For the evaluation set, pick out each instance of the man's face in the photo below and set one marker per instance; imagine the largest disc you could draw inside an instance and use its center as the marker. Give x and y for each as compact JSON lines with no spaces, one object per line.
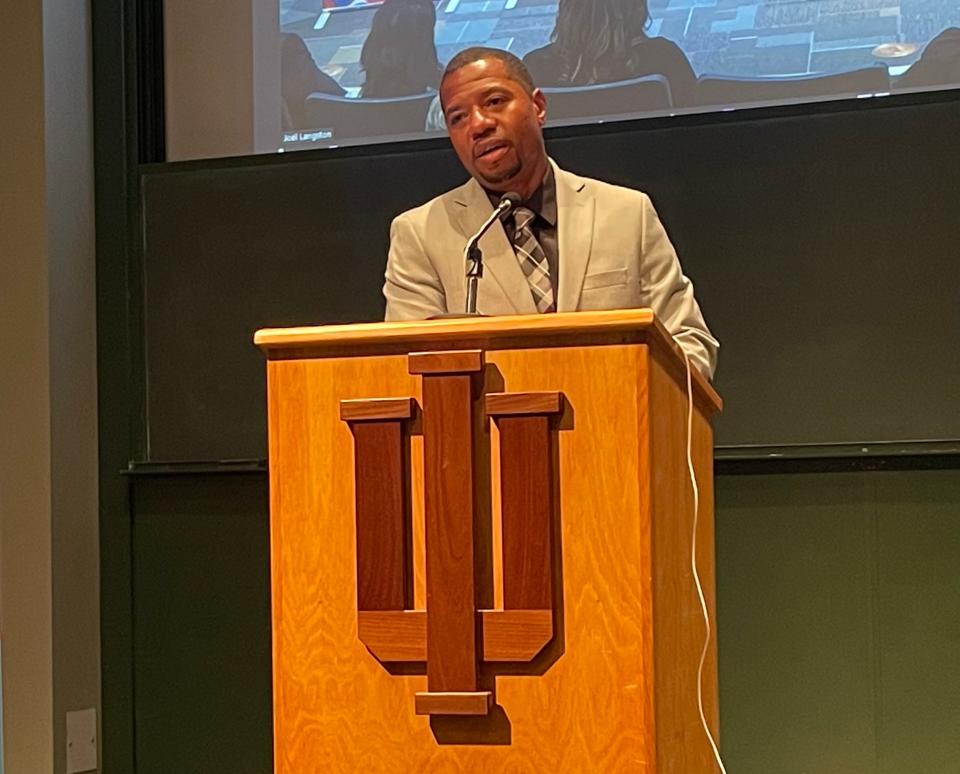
{"x":495,"y":126}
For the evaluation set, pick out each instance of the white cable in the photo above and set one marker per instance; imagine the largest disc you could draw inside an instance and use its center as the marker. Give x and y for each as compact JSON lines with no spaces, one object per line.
{"x":693,"y":564}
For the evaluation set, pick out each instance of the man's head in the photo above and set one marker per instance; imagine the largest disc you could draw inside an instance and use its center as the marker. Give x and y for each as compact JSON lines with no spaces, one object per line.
{"x":495,"y":116}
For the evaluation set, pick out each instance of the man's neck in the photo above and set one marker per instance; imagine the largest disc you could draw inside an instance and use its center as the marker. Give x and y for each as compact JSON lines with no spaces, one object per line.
{"x":527,"y":191}
{"x":536,"y":180}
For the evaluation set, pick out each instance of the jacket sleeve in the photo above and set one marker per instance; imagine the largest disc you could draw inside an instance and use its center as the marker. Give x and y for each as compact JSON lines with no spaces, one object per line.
{"x":669,"y":293}
{"x":412,"y":288}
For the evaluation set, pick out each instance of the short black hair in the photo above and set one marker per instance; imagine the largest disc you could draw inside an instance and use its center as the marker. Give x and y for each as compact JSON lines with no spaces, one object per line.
{"x":515,"y":68}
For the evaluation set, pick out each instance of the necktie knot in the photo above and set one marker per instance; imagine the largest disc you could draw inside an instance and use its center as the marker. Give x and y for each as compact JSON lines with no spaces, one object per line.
{"x":523,"y":217}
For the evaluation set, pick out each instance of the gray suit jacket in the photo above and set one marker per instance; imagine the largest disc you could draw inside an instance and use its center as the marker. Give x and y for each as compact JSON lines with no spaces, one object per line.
{"x":614,"y":254}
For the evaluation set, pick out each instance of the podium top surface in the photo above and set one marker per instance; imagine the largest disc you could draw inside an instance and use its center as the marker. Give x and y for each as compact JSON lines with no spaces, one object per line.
{"x":548,"y":328}
{"x":627,"y":326}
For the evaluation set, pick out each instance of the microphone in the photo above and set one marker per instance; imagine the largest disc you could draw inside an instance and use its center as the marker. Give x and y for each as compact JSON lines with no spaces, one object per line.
{"x":471,"y":253}
{"x":511,"y":198}
{"x":507,"y":202}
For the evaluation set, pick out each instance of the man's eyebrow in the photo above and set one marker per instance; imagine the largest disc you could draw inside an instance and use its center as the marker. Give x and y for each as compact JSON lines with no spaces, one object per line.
{"x":481,"y":95}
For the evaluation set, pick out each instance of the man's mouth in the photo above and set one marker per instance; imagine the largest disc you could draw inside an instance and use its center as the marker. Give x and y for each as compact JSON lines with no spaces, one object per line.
{"x":490,"y":151}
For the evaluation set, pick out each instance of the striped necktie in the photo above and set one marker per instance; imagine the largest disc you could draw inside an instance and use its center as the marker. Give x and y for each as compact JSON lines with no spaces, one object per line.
{"x":532,"y":259}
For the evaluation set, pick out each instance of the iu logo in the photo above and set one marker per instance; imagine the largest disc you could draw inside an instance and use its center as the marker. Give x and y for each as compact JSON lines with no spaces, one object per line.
{"x":453,"y":637}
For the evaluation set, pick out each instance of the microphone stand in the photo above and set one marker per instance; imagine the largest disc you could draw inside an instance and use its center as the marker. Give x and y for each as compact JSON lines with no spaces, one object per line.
{"x":472,"y":254}
{"x":474,"y":257}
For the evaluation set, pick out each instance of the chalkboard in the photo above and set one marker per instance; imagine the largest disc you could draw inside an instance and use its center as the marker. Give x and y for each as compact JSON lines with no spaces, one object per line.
{"x":823,"y":247}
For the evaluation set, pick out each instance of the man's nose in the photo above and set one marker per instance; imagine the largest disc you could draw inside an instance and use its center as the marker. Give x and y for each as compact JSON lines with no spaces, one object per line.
{"x":480,"y":122}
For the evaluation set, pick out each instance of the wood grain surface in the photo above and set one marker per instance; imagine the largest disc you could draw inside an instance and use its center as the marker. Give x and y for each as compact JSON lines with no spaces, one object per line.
{"x":619,"y":326}
{"x":454,"y":362}
{"x":526,"y":511}
{"x":454,"y":329}
{"x":506,"y":404}
{"x":448,"y":424}
{"x":394,"y":636}
{"x":615,"y":696}
{"x":376,"y":408}
{"x":677,"y":621}
{"x":453,"y":703}
{"x":381,"y":514}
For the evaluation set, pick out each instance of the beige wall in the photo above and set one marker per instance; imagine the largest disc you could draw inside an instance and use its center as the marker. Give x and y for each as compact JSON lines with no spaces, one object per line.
{"x":49,"y":596}
{"x":25,"y":573}
{"x":222,"y":75}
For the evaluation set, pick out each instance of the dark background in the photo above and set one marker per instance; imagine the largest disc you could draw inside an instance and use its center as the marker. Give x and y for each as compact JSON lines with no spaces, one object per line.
{"x":823,"y":248}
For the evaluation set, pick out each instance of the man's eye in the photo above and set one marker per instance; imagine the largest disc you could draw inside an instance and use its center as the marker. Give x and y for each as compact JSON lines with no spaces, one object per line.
{"x":453,"y":120}
{"x":495,"y":101}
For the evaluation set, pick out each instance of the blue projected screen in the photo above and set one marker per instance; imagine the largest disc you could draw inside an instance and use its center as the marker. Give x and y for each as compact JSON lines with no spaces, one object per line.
{"x":344,"y":72}
{"x":688,"y":56}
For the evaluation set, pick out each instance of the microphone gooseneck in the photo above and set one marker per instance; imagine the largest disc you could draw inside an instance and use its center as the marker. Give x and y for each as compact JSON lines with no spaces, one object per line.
{"x":473,"y":257}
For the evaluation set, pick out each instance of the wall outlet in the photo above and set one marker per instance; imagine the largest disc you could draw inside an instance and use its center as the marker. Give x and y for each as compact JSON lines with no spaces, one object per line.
{"x":81,"y":741}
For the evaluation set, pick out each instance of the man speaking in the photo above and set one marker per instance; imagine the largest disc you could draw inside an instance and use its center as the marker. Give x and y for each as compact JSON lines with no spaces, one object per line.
{"x":569,"y":244}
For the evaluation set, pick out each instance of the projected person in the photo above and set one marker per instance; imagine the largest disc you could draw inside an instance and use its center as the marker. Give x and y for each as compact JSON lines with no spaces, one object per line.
{"x":575,"y":244}
{"x":299,"y":78}
{"x":399,"y":56}
{"x":939,"y":65}
{"x":602,"y":41}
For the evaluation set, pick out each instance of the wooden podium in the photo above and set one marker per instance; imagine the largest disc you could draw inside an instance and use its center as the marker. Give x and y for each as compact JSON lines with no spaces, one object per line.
{"x":480,"y":547}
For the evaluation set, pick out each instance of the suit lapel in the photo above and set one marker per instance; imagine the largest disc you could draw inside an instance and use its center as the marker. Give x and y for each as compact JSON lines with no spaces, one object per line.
{"x":575,"y":211}
{"x":499,"y":260}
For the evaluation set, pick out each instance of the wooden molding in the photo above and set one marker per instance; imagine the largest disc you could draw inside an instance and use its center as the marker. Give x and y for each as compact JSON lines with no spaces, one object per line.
{"x":515,"y":636}
{"x":452,"y":330}
{"x":374,"y":409}
{"x":593,"y":328}
{"x":449,"y":467}
{"x":453,"y":702}
{"x":397,"y":636}
{"x":452,"y":637}
{"x":526,"y":491}
{"x":382,"y":511}
{"x":504,"y":404}
{"x":457,"y":362}
{"x":394,"y":636}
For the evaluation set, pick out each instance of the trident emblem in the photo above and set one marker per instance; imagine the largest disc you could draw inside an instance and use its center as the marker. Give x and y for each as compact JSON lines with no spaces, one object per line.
{"x":453,"y":636}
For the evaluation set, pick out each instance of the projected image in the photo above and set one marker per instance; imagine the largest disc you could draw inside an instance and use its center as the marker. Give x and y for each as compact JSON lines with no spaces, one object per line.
{"x":366,"y":70}
{"x":334,"y":4}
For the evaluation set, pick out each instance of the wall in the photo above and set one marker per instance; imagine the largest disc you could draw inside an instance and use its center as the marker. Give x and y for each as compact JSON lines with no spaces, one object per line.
{"x":799,"y":270}
{"x":73,"y":358}
{"x":837,"y":599}
{"x":48,"y":432}
{"x":25,"y":510}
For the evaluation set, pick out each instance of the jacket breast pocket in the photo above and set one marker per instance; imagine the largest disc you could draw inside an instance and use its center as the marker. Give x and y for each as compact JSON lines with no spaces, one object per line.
{"x":605,"y":279}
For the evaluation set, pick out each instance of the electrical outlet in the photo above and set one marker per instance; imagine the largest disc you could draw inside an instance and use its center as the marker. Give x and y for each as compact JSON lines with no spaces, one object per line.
{"x":81,"y":741}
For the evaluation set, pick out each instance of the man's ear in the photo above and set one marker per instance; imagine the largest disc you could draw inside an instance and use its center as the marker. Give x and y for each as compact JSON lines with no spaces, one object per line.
{"x":540,"y":102}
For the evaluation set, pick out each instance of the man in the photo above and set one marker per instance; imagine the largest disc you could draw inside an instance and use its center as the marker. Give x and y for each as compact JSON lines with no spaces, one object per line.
{"x":573,"y":244}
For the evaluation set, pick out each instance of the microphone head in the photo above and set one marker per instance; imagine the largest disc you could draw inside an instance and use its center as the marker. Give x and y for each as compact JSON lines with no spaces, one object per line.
{"x":512,"y":197}
{"x":507,"y":202}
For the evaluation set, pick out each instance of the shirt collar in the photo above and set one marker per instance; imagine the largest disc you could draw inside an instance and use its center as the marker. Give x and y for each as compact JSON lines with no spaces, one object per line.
{"x":543,"y":201}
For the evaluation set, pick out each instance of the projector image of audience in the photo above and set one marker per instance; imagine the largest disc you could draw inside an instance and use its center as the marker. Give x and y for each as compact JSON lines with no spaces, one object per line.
{"x":300,"y":77}
{"x":399,"y":56}
{"x":939,"y":65}
{"x":604,"y":41}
